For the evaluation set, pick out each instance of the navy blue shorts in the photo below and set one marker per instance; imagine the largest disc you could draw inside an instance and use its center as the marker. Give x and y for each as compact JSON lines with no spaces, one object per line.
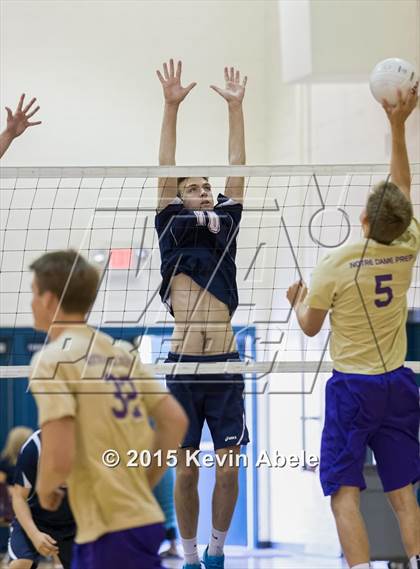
{"x":379,"y":411}
{"x":218,"y":399}
{"x":21,"y":547}
{"x":131,"y":549}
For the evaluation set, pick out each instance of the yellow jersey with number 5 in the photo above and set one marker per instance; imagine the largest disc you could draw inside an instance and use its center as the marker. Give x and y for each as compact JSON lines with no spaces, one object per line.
{"x":364,"y":286}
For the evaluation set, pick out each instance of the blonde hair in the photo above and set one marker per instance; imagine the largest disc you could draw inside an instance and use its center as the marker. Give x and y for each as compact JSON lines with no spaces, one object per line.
{"x":15,"y":439}
{"x":388,"y":211}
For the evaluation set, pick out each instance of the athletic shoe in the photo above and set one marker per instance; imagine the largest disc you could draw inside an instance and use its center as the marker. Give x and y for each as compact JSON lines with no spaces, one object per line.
{"x":191,"y":566}
{"x":213,"y":561}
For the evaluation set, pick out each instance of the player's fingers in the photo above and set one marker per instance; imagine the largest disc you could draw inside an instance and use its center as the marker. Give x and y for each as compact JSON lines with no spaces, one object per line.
{"x":413,"y":95}
{"x":165,"y":70}
{"x":34,"y":123}
{"x":179,"y":69}
{"x":171,"y":68}
{"x":31,"y":114}
{"x":29,"y":105}
{"x":400,"y":100}
{"x":160,"y":76}
{"x":237,"y":76}
{"x":387,"y":107}
{"x":9,"y":113}
{"x":245,"y":81}
{"x":232,"y":74}
{"x":20,"y":104}
{"x":414,"y":88}
{"x":50,"y":539}
{"x":217,"y":89}
{"x":226,"y":74}
{"x":190,"y":86}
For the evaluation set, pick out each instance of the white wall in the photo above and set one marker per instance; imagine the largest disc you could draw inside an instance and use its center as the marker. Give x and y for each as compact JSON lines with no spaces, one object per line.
{"x":92,"y":66}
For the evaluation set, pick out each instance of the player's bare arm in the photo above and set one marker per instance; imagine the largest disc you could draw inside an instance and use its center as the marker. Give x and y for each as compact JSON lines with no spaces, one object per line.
{"x":397,"y":115}
{"x":170,"y":427}
{"x":43,"y":543}
{"x":310,"y":319}
{"x":56,"y":462}
{"x":174,"y":93}
{"x":233,"y":93}
{"x":18,"y":122}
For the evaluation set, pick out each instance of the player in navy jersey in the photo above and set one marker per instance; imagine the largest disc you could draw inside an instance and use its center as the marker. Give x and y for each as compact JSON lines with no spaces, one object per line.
{"x":36,"y":532}
{"x":197,"y":239}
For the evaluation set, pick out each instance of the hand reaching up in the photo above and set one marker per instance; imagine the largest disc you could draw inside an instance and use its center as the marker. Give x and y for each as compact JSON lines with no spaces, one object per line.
{"x":234,"y":90}
{"x":18,"y":121}
{"x":399,"y":113}
{"x":173,"y":91}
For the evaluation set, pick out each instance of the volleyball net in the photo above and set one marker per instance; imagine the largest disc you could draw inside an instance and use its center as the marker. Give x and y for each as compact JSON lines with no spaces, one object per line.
{"x":293,"y":215}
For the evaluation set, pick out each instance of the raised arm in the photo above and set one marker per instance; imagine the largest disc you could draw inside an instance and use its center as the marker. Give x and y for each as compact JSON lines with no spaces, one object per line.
{"x":17,"y":123}
{"x":233,"y":93}
{"x":174,"y":94}
{"x":397,"y":115}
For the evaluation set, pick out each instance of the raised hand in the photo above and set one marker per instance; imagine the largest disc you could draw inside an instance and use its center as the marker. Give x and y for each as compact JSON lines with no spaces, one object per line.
{"x":173,"y":91}
{"x":399,"y":113}
{"x":18,"y":121}
{"x":234,"y":90}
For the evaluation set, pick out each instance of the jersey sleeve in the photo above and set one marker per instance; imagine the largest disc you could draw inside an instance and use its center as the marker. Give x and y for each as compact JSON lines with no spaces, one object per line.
{"x":27,"y":466}
{"x":152,"y":390}
{"x":323,"y":286}
{"x":51,"y":390}
{"x":165,"y":215}
{"x":230,"y":206}
{"x":411,"y":236}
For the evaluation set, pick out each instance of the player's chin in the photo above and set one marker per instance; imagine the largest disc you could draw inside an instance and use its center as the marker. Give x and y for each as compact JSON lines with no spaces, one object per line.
{"x":207,"y":205}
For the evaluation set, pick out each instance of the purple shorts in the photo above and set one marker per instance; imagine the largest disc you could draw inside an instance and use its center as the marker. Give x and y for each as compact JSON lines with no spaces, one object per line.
{"x":379,"y":411}
{"x":130,"y":548}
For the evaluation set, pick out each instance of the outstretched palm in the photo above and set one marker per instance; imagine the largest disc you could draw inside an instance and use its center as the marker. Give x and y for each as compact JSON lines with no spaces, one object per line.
{"x":18,"y":121}
{"x":234,"y":90}
{"x":173,"y":91}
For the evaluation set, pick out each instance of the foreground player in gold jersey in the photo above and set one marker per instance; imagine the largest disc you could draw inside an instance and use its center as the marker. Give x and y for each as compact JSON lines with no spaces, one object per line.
{"x":93,"y":395}
{"x":372,"y":399}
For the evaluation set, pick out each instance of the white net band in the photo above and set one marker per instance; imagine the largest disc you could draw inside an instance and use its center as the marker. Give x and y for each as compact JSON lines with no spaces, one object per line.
{"x":187,"y":171}
{"x":258,"y":368}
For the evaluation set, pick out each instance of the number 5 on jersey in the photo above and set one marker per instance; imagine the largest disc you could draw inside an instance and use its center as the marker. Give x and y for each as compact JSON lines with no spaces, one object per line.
{"x":384,"y":291}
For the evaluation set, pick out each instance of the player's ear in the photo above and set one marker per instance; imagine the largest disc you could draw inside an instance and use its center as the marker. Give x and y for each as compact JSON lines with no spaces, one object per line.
{"x":50,"y":301}
{"x":363,"y":217}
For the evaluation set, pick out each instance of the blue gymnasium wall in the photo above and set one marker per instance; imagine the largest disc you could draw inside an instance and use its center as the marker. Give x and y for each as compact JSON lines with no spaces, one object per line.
{"x":17,"y":407}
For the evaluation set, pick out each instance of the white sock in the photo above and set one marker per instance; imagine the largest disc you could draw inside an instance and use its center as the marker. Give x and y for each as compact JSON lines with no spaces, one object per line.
{"x":361,"y":566}
{"x":415,"y":562}
{"x":190,"y":550}
{"x":217,"y":542}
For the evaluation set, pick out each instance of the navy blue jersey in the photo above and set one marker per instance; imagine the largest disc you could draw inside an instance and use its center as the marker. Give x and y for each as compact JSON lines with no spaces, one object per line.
{"x":60,"y":521}
{"x":202,"y":245}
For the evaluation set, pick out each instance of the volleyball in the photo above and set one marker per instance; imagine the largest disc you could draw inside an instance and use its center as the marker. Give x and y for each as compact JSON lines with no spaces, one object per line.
{"x":390,"y":75}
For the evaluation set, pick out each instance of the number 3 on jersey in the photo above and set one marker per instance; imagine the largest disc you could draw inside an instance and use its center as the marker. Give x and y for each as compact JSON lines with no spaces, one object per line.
{"x":384,"y":291}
